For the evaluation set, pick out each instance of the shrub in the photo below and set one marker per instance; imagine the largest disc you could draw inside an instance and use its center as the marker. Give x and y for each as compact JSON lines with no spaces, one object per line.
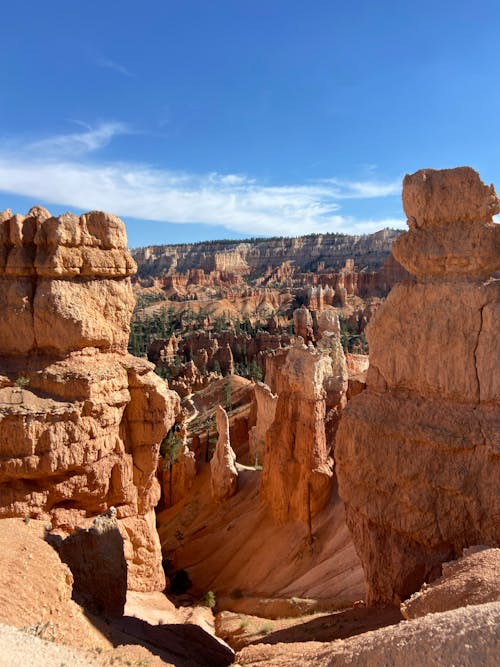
{"x":209,"y":599}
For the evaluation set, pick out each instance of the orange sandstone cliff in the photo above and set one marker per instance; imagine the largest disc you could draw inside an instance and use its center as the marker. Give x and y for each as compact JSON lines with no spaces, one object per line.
{"x":80,"y":419}
{"x":417,"y":453}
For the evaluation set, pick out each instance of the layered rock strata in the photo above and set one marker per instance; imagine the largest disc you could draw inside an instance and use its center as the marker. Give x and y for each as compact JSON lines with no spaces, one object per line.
{"x":80,"y":420}
{"x":418,"y":452}
{"x":261,"y":256}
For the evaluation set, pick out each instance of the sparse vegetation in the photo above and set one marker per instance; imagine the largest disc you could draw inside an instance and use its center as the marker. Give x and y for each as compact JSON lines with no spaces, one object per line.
{"x":22,"y":381}
{"x":265,"y":629}
{"x":209,"y":600}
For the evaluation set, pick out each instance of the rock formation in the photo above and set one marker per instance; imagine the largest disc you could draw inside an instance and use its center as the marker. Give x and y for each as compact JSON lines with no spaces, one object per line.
{"x":465,"y":637}
{"x":303,"y":324}
{"x":36,"y":590}
{"x":84,"y":432}
{"x":265,"y":403}
{"x":326,"y":320}
{"x":336,"y":385}
{"x":298,"y":471}
{"x":211,"y":352}
{"x":417,"y":452}
{"x":223,"y":472}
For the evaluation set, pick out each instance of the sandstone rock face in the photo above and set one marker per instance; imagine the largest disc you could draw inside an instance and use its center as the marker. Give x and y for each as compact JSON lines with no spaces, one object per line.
{"x":336,"y":385}
{"x":298,"y":470}
{"x":84,"y":432}
{"x":470,"y":580}
{"x":265,"y":402}
{"x":223,"y":472}
{"x":417,"y":452}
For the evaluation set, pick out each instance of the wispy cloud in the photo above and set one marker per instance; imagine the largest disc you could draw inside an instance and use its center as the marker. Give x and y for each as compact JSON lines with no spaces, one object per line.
{"x":107,"y":63}
{"x":54,"y":170}
{"x":77,"y":143}
{"x":364,"y":189}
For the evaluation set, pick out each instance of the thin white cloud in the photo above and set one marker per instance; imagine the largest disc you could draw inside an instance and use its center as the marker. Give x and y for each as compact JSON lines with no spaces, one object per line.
{"x":50,"y":171}
{"x":365,"y":189}
{"x":77,"y":143}
{"x":111,"y":64}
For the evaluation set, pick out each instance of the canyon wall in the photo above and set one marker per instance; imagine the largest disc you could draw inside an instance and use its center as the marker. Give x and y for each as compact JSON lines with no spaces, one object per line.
{"x":417,"y":453}
{"x":81,"y":421}
{"x":261,"y":257}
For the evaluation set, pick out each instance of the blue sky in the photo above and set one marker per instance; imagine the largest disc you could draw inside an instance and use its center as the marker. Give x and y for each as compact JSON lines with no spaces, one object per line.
{"x":200,"y":119}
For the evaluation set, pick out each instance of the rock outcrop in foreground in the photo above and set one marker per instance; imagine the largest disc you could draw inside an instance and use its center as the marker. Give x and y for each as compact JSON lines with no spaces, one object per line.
{"x":418,"y":453}
{"x":80,"y":420}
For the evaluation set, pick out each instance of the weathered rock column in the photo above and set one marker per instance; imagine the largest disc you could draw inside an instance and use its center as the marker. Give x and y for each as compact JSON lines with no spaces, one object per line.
{"x":223,"y":472}
{"x":297,"y":476}
{"x":417,"y":453}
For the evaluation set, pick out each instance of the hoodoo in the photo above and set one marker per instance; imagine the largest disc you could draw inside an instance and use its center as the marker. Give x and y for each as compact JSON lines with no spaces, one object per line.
{"x":417,"y":452}
{"x":81,"y":420}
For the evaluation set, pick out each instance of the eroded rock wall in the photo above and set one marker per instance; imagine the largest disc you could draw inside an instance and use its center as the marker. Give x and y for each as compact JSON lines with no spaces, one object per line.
{"x":80,"y":419}
{"x":417,"y":452}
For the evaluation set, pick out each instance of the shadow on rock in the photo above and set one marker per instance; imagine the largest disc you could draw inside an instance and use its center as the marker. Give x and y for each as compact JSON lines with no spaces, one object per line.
{"x":97,"y":561}
{"x":340,"y":625}
{"x":183,"y":645}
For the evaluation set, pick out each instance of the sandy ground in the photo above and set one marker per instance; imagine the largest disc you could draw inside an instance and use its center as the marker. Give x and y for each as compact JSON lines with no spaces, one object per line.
{"x":21,"y":649}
